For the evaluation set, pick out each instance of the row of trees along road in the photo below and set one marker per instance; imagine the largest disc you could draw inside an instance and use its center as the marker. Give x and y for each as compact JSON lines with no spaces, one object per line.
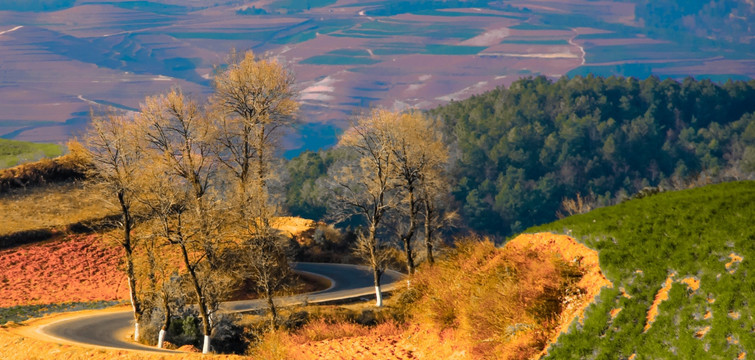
{"x":194,"y":178}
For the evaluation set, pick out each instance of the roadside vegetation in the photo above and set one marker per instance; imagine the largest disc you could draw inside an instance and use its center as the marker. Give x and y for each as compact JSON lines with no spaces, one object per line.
{"x":187,"y":192}
{"x":698,"y":242}
{"x":477,"y":301}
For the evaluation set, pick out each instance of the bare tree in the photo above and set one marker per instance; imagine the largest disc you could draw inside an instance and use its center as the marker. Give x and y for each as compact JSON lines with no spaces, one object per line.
{"x":434,"y":193}
{"x":367,"y":187}
{"x":178,"y":130}
{"x":116,"y":158}
{"x":165,"y":203}
{"x":579,"y":205}
{"x":418,"y":149}
{"x":253,"y":101}
{"x":268,"y":264}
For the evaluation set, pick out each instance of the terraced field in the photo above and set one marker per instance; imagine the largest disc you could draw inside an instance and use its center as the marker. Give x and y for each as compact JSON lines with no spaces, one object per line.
{"x":62,"y":59}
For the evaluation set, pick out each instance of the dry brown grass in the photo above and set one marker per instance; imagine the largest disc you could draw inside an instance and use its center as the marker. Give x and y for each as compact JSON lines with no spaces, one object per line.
{"x":293,"y":226}
{"x":322,"y":339}
{"x":49,"y":207}
{"x":64,"y":168}
{"x":486,"y":302}
{"x":482,"y":302}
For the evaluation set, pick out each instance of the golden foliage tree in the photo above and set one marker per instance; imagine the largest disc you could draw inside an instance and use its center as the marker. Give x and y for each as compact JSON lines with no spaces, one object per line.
{"x":201,"y":174}
{"x":116,"y":158}
{"x":252,"y":103}
{"x":254,"y":99}
{"x":181,"y":134}
{"x":368,"y":187}
{"x":420,"y":155}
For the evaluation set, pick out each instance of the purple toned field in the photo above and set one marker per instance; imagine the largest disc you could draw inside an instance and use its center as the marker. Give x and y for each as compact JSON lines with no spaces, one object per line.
{"x":56,"y":65}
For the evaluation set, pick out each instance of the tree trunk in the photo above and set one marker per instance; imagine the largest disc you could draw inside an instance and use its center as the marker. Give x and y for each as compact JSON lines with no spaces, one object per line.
{"x":261,"y":166}
{"x":130,"y":273}
{"x":378,"y":293}
{"x":409,"y":253}
{"x":161,"y":339}
{"x":409,"y":235}
{"x":206,"y":328}
{"x":429,"y":232}
{"x":375,"y":265}
{"x":166,"y":322}
{"x":273,"y":310}
{"x":135,"y":304}
{"x":206,"y":346}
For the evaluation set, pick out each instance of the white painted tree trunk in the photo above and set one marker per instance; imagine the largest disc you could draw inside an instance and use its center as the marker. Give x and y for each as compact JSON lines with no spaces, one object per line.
{"x":133,"y":306}
{"x":378,"y":297}
{"x":206,"y":347}
{"x":161,"y":339}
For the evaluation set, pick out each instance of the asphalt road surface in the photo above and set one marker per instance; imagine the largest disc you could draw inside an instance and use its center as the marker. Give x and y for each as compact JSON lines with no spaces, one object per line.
{"x":112,"y":329}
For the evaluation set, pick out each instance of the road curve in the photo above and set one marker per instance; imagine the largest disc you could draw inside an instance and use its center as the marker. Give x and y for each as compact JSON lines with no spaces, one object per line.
{"x":112,"y":329}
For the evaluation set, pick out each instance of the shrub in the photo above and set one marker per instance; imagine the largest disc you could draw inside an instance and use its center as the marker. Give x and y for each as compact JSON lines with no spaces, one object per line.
{"x":495,"y":303}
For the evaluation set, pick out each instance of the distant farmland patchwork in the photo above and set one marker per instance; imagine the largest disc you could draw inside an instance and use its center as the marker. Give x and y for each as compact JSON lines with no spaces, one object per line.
{"x":346,"y":55}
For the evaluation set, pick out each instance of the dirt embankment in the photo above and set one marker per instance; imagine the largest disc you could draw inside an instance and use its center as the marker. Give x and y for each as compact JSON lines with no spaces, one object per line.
{"x":592,"y":280}
{"x":405,"y":345}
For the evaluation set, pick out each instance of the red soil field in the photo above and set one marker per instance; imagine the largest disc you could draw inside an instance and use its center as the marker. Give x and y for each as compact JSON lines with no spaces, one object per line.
{"x":80,"y":268}
{"x":71,"y":268}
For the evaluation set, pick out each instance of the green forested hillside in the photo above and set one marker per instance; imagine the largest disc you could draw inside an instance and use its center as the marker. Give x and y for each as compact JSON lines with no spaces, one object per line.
{"x":695,"y":234}
{"x":523,"y":149}
{"x":304,"y":195}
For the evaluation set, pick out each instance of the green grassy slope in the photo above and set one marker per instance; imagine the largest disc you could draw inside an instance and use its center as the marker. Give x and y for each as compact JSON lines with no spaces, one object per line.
{"x":14,"y":152}
{"x":640,"y":243}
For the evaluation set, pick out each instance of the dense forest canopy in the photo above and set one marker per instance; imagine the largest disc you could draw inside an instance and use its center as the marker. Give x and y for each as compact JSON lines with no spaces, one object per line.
{"x":522,"y":150}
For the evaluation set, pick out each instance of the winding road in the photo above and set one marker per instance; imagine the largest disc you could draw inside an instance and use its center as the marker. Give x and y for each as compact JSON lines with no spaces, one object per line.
{"x":112,"y":329}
